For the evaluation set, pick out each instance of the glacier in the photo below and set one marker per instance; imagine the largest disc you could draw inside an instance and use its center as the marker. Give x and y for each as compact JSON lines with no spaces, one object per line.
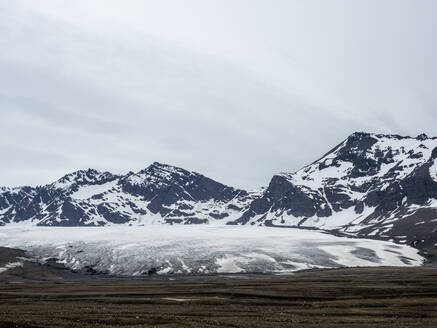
{"x":200,"y":249}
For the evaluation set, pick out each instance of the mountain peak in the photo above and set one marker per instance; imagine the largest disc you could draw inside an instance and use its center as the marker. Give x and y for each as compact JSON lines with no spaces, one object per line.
{"x":166,"y":167}
{"x":422,"y":137}
{"x":367,"y":135}
{"x":88,"y":173}
{"x":164,"y":171}
{"x":360,"y":135}
{"x":79,"y":177}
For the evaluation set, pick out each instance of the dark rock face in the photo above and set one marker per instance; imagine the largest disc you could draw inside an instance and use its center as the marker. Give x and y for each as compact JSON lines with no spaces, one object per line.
{"x":164,"y":185}
{"x":282,"y":195}
{"x":419,"y":187}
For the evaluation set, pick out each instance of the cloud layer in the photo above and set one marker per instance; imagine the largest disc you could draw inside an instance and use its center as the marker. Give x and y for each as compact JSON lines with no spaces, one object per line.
{"x":235,"y":90}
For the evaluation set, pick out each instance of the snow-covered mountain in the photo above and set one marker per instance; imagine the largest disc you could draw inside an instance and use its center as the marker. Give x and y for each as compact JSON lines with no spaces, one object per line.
{"x":370,"y":185}
{"x":158,"y":194}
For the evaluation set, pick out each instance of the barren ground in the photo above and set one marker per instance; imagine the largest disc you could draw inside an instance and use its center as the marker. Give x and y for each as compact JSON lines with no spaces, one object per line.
{"x":361,"y":297}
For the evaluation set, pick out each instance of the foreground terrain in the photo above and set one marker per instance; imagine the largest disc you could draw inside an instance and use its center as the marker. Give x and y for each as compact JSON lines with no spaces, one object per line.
{"x":354,"y":297}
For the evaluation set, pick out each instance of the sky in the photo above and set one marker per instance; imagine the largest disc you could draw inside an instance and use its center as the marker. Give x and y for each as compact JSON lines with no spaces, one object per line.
{"x":237,"y":90}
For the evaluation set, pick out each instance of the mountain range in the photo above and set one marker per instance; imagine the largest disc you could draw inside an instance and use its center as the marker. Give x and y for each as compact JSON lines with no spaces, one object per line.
{"x":370,"y":186}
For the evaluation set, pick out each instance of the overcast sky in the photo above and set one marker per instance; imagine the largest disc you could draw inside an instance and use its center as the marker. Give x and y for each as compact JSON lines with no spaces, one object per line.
{"x":237,"y":90}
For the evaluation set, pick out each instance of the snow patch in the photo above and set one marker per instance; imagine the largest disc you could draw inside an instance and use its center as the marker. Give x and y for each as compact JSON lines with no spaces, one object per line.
{"x":11,"y":265}
{"x":88,"y":191}
{"x":228,"y":264}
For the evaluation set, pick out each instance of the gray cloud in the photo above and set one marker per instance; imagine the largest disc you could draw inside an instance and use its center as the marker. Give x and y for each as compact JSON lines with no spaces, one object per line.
{"x":235,"y":90}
